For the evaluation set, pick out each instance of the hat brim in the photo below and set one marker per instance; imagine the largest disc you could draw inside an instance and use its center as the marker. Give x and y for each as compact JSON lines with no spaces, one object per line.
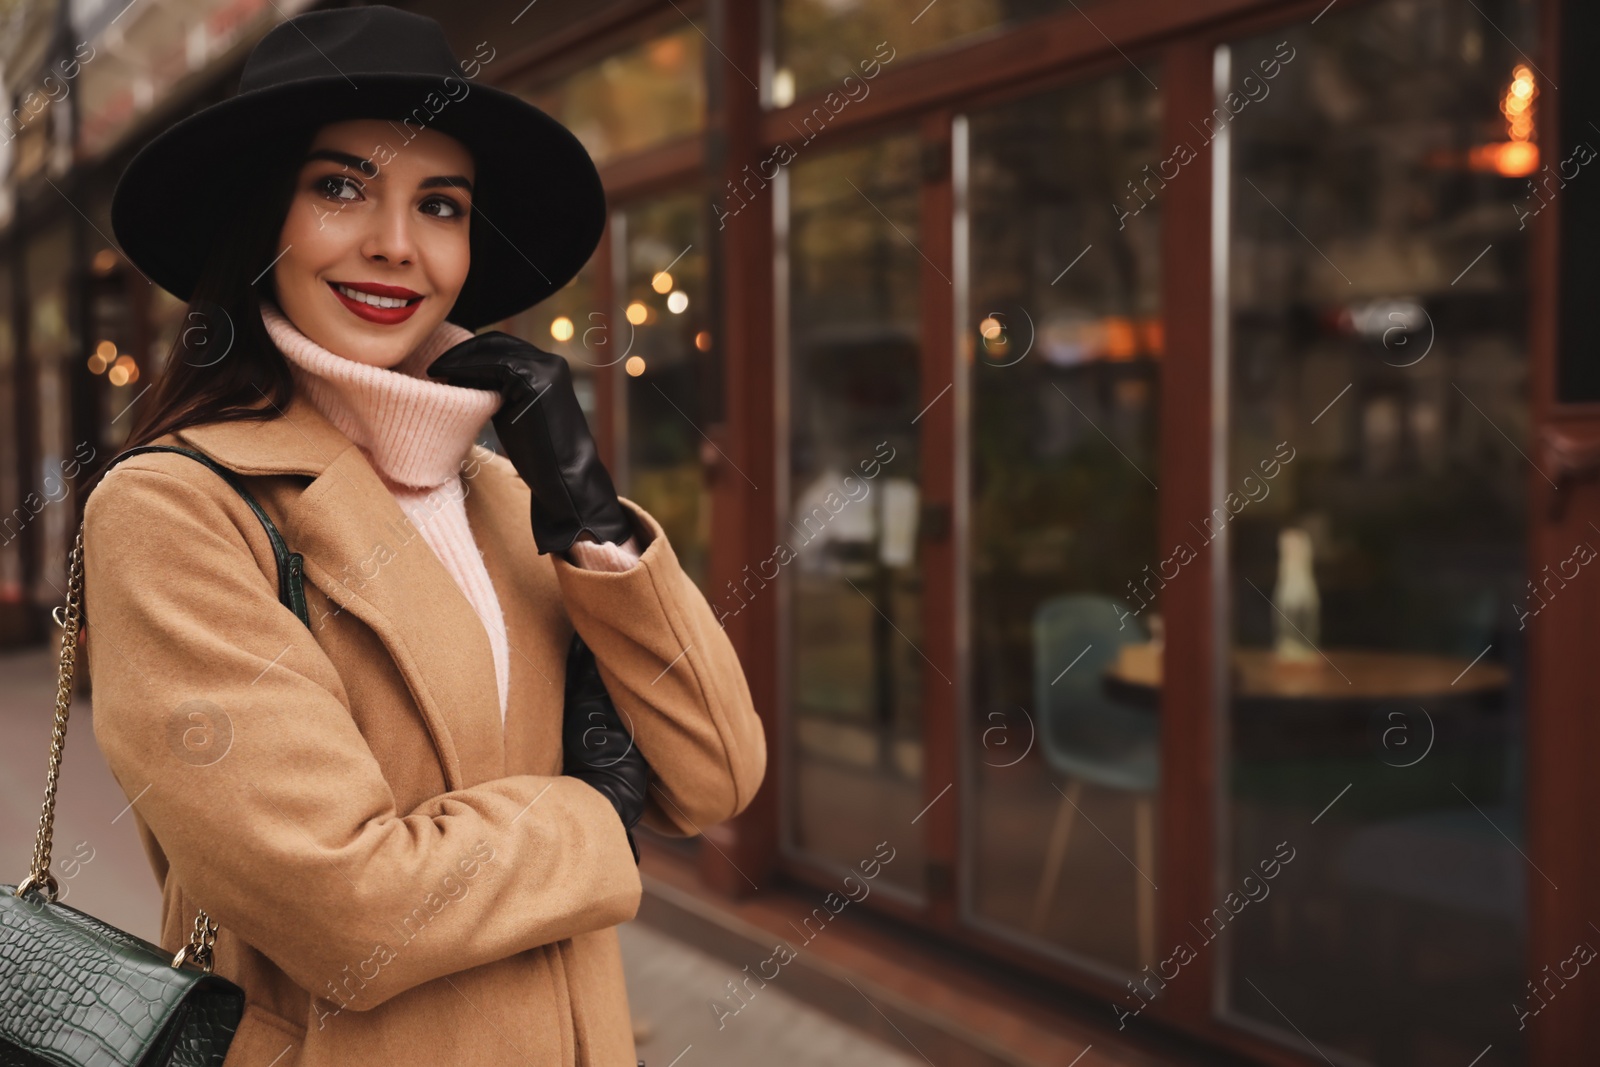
{"x":538,"y":204}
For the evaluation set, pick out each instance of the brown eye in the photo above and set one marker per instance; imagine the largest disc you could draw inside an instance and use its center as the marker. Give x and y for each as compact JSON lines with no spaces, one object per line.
{"x":442,"y":207}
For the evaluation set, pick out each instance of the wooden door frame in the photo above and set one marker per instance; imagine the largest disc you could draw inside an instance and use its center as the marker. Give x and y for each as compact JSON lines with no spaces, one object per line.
{"x":1563,"y":797}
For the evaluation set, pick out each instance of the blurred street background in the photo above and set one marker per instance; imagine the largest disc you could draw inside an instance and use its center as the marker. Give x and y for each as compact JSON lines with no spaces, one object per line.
{"x":1145,"y":452}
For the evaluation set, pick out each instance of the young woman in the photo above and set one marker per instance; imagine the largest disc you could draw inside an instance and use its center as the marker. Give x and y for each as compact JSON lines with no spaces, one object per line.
{"x":408,"y":814}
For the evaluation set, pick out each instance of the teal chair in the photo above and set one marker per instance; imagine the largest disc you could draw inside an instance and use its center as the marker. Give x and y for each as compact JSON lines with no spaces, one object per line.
{"x":1087,"y":737}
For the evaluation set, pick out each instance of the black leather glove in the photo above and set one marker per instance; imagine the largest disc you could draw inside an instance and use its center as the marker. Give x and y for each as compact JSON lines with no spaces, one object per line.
{"x":597,"y":747}
{"x":545,"y":436}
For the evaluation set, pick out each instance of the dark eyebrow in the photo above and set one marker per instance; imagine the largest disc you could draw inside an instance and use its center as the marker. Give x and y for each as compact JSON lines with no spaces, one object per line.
{"x":449,"y":181}
{"x":365,"y":166}
{"x":368,"y":168}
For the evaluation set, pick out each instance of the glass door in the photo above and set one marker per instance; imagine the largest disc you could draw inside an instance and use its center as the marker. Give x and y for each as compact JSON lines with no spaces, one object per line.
{"x":1372,"y":505}
{"x":852,"y":574}
{"x":1061,"y":355}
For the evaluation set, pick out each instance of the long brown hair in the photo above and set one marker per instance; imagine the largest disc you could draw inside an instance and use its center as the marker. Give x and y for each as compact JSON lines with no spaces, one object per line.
{"x":223,"y":365}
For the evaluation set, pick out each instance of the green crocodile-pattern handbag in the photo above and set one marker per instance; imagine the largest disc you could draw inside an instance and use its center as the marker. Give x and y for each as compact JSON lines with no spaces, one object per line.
{"x":75,"y":991}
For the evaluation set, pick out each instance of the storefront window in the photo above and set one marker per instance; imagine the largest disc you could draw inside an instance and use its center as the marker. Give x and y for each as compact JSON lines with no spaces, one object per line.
{"x":1062,"y":351}
{"x":821,"y":42}
{"x":849,"y":536}
{"x":669,"y":369}
{"x":1373,"y":512}
{"x":633,"y":100}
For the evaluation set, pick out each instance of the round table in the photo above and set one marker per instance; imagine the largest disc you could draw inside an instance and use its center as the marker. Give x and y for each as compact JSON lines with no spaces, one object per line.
{"x":1340,"y":675}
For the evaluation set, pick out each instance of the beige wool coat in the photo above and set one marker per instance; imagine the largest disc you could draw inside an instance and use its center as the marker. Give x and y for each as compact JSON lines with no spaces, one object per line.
{"x":395,"y":879}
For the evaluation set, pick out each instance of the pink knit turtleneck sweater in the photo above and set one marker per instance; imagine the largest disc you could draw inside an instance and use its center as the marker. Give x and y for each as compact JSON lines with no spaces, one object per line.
{"x":416,"y":432}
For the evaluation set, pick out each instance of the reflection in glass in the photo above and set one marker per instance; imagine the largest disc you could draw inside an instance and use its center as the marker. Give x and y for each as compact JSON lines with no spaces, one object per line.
{"x":855,"y":672}
{"x":668,"y":370}
{"x":1376,"y":298}
{"x":647,"y":95}
{"x":1062,"y":351}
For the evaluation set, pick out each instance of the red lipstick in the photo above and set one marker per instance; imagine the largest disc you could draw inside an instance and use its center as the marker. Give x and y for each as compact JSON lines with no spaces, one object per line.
{"x":383,"y":316}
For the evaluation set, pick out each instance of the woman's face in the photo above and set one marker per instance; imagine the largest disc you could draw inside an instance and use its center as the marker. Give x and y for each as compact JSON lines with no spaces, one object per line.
{"x":374,"y":250}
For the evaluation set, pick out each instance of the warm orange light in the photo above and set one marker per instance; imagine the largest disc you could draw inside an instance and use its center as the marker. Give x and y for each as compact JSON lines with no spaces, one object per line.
{"x":634,"y":366}
{"x":1517,"y":104}
{"x":1513,"y":159}
{"x":97,"y":363}
{"x":106,"y":350}
{"x":129,"y":368}
{"x":117,"y":375}
{"x":1518,"y":156}
{"x":662,"y":282}
{"x":702,"y":340}
{"x":1518,"y":159}
{"x":561,"y":329}
{"x":104,"y":262}
{"x":1121,"y":339}
{"x":637,"y":313}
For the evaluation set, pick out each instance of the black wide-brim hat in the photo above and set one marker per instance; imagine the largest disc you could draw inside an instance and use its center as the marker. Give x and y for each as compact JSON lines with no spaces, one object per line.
{"x":538,"y":204}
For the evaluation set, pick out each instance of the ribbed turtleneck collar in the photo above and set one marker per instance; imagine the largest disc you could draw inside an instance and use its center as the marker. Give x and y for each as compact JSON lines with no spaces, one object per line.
{"x":414,"y":429}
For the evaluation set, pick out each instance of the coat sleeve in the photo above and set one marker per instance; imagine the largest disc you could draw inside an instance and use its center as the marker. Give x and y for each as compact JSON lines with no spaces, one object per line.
{"x":673,"y":673}
{"x":283,"y":826}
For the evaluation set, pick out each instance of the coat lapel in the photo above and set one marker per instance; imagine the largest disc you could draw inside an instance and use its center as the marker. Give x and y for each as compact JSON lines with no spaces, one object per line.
{"x":363,"y":552}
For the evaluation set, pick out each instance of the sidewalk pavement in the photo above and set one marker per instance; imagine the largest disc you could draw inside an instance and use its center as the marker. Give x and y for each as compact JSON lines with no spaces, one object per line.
{"x":103,"y":870}
{"x":671,"y":988}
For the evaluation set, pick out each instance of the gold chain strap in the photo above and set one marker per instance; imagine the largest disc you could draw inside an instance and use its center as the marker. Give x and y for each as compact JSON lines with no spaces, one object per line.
{"x":70,"y":619}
